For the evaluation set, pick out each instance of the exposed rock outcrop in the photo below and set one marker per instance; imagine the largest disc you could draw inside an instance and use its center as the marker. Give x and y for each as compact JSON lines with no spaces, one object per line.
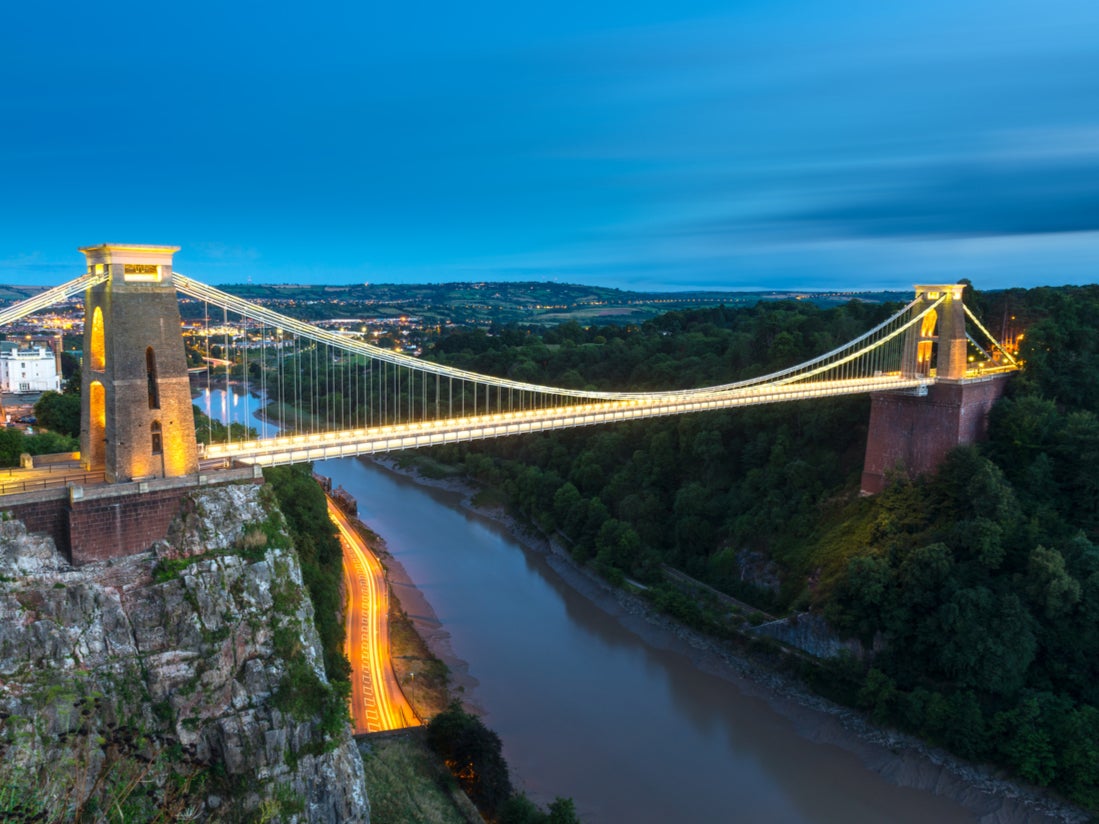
{"x":811,"y":633}
{"x":187,"y":681}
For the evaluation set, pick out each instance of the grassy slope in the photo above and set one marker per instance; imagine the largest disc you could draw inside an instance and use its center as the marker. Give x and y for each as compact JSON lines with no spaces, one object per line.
{"x":407,"y":783}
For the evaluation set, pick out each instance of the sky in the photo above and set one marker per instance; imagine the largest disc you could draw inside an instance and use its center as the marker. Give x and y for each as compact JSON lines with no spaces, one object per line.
{"x":650,"y":145}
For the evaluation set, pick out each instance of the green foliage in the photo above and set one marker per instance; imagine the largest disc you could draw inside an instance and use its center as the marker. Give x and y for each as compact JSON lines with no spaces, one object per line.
{"x":59,"y":413}
{"x":252,"y":544}
{"x":303,"y":503}
{"x":473,"y":754}
{"x":519,"y":809}
{"x":301,"y":693}
{"x":138,"y":775}
{"x":14,"y":442}
{"x":12,"y":445}
{"x":168,"y":569}
{"x":563,"y":811}
{"x":48,"y":443}
{"x":23,"y":802}
{"x":406,"y":783}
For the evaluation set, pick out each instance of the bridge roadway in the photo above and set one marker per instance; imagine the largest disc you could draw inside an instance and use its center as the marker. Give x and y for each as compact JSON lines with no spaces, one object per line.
{"x":322,"y":446}
{"x":377,"y":703}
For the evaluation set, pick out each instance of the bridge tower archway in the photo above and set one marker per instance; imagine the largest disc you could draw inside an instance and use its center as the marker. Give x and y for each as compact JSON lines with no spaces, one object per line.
{"x":131,"y":314}
{"x":940,"y":338}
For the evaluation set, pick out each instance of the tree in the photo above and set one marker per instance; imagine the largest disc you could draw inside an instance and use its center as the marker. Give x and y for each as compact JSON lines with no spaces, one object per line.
{"x":563,"y":811}
{"x":988,"y":641}
{"x":70,"y":367}
{"x":1026,"y":741}
{"x":568,"y":509}
{"x":974,"y":590}
{"x":12,"y":445}
{"x":1049,"y":586}
{"x":473,"y":754}
{"x":49,"y":443}
{"x":519,"y":809}
{"x":857,"y":605}
{"x":1079,"y":466}
{"x":59,"y":413}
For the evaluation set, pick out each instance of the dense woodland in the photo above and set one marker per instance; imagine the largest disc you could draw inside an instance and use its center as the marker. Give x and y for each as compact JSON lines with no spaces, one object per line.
{"x":977,"y":590}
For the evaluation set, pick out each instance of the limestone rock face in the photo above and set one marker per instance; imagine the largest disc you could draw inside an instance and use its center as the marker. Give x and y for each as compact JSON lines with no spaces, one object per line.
{"x":213,"y":521}
{"x":186,"y":682}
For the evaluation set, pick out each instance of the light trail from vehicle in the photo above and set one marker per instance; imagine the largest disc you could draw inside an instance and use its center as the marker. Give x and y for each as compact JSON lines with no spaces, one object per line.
{"x":377,"y":703}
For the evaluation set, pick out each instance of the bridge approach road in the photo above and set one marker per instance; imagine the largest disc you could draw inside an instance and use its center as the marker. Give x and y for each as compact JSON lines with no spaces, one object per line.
{"x":377,"y":703}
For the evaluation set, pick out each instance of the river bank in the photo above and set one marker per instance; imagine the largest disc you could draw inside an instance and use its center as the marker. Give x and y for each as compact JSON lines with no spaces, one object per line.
{"x":902,"y":760}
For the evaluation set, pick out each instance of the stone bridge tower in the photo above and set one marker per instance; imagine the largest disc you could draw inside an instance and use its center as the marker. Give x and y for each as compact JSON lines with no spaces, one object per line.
{"x":136,"y":417}
{"x":913,"y":433}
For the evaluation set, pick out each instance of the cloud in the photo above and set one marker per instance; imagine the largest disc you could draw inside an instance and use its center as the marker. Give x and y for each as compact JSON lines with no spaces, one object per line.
{"x":978,"y":200}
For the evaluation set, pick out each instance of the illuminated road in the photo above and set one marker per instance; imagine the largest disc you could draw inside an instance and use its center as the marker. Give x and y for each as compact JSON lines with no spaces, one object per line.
{"x":377,"y":703}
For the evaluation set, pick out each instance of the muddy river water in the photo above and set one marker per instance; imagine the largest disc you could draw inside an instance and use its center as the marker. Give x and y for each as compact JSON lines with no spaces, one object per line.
{"x":633,"y":732}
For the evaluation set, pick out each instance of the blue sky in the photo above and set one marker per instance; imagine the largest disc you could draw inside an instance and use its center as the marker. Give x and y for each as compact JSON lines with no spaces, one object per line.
{"x":651,"y":145}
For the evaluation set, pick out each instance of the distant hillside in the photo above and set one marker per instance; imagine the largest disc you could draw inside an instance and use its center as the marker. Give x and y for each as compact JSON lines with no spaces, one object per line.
{"x":11,"y":294}
{"x":482,"y":304}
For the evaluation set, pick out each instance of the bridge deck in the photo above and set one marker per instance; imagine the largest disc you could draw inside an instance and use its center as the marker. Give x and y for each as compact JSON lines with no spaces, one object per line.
{"x":341,"y":444}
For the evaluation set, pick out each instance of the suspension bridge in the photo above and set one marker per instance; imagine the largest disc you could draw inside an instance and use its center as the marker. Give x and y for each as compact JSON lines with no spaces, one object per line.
{"x":332,"y":394}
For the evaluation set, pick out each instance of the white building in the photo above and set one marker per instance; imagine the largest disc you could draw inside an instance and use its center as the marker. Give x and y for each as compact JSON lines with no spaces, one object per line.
{"x":33,"y":369}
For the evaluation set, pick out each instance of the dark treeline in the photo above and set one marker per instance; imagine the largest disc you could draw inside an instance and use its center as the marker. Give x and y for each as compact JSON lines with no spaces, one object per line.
{"x":977,"y":589}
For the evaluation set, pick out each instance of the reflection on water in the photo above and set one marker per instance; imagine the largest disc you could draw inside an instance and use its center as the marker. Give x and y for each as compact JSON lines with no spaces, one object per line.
{"x":233,"y":405}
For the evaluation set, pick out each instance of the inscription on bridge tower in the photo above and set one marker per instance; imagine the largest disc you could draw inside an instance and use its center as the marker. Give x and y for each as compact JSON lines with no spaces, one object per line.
{"x":136,"y":420}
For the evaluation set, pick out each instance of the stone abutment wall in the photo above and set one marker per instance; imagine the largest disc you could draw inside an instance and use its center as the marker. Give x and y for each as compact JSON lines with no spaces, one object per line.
{"x":913,"y":434}
{"x":112,"y":520}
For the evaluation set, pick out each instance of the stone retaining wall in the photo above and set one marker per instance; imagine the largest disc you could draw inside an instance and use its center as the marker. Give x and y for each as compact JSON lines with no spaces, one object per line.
{"x":90,"y":524}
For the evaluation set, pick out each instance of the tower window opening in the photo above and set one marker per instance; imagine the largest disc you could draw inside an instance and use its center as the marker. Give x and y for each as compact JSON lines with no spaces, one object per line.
{"x":150,"y":373}
{"x":98,"y":342}
{"x":158,"y":439}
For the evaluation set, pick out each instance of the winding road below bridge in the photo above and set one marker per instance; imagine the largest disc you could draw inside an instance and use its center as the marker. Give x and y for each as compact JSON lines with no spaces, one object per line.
{"x":377,"y":703}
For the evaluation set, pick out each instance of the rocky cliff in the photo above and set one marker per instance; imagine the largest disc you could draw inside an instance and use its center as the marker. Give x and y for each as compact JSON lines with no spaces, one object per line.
{"x":184,"y":683}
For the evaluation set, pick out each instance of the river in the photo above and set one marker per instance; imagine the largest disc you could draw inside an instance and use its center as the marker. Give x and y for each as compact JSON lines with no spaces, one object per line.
{"x":632,"y":730}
